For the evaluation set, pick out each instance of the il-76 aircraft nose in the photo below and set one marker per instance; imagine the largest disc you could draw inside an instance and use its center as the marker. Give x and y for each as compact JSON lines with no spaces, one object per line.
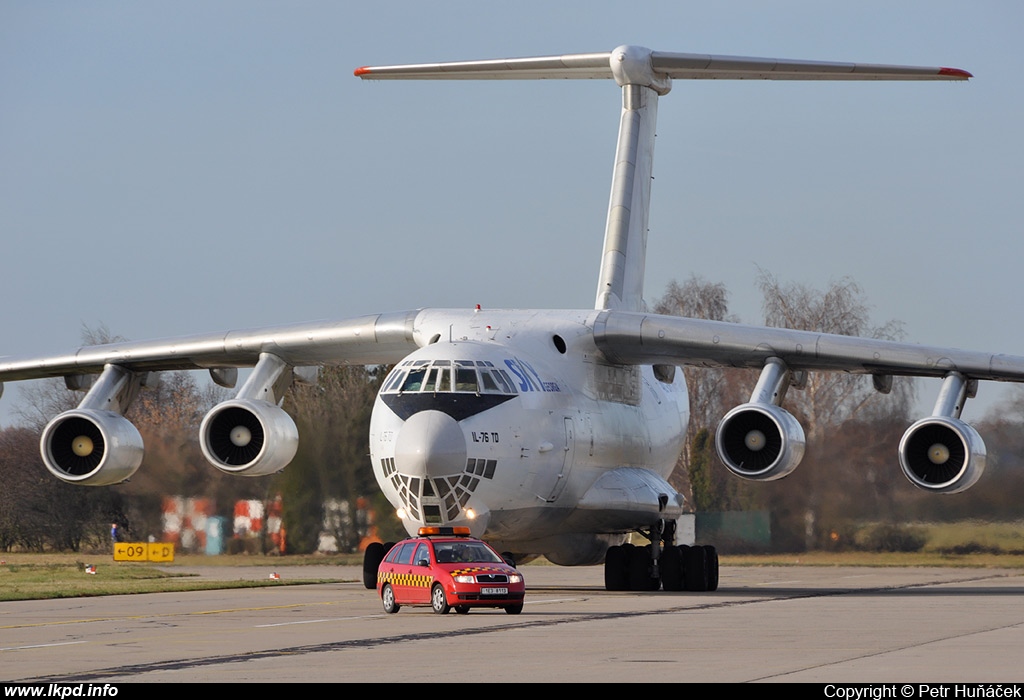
{"x":430,"y":444}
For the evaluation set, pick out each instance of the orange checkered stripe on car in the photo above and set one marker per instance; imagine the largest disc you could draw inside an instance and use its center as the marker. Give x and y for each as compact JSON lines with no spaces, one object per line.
{"x":404,"y":579}
{"x":478,"y":570}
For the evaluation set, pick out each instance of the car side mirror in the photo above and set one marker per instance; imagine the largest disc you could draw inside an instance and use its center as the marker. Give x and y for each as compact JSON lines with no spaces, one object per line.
{"x":423,"y":562}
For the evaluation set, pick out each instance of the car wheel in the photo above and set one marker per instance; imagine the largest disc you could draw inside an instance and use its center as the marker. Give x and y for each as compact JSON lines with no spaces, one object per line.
{"x":372,"y":558}
{"x":462,"y":609}
{"x":438,"y":600}
{"x":514,"y":609}
{"x":387,"y":596}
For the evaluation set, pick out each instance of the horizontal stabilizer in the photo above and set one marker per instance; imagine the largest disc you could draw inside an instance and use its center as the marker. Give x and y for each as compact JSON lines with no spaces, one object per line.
{"x":579,"y":65}
{"x":699,"y":67}
{"x":684,"y":66}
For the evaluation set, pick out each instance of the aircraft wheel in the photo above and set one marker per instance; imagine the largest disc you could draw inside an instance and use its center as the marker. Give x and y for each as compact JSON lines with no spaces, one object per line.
{"x":462,"y":609}
{"x":640,"y":570}
{"x":372,"y":558}
{"x":672,"y":569}
{"x":616,"y":577}
{"x":695,"y":569}
{"x":438,"y":600}
{"x":514,"y":609}
{"x":387,"y":596}
{"x":711,"y":558}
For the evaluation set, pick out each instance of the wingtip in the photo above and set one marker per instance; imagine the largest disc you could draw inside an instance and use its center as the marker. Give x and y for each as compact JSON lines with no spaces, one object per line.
{"x":955,"y":73}
{"x":365,"y":70}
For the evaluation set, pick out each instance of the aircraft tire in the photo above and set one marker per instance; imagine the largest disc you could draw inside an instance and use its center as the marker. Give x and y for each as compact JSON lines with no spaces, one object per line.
{"x":514,"y":609}
{"x":637,"y":570}
{"x":372,"y":558}
{"x":616,"y":577}
{"x":711,"y":558}
{"x":671,"y":565}
{"x":695,"y":569}
{"x":640,"y":570}
{"x":462,"y":609}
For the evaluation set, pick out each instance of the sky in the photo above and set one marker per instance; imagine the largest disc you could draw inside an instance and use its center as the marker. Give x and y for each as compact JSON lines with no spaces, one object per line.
{"x":170,"y":168}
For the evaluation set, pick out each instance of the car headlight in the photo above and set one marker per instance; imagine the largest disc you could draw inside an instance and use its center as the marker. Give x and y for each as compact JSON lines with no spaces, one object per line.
{"x":464,"y":579}
{"x":515,"y":578}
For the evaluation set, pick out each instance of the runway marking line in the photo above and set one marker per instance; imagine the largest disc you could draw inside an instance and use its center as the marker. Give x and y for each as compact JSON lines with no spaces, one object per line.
{"x":162,"y":615}
{"x":41,"y":646}
{"x":325,"y":619}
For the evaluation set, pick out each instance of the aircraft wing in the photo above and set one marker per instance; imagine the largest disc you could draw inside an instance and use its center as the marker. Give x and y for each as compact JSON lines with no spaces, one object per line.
{"x":377,"y":339}
{"x":639,"y":338}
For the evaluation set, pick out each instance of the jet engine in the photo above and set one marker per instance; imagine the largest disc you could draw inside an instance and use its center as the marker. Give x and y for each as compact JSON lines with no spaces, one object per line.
{"x":91,"y":447}
{"x":760,"y":441}
{"x":942,"y":454}
{"x":249,"y":437}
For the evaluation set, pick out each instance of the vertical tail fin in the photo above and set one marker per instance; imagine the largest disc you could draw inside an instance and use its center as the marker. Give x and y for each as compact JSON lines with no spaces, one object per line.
{"x":644,"y":75}
{"x":620,"y":284}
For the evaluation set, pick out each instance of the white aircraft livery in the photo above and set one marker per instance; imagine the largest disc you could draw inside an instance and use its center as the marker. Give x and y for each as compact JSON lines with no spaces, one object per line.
{"x":546,"y":432}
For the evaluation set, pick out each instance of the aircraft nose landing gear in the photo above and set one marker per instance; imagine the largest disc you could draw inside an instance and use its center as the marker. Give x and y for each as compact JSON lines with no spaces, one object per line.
{"x":661,"y":564}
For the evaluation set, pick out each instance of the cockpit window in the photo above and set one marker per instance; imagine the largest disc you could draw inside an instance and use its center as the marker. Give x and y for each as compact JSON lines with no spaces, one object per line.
{"x":505,"y":381}
{"x":438,"y":380}
{"x":393,"y":381}
{"x":440,"y":376}
{"x":465,"y":380}
{"x":414,"y":380}
{"x":488,"y":382}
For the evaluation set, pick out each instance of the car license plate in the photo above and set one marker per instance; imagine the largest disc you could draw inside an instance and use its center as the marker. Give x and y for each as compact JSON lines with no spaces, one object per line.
{"x":493,"y":591}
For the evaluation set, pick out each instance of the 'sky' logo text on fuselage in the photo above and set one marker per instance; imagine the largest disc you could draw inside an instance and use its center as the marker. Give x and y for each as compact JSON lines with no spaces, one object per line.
{"x":528,"y":378}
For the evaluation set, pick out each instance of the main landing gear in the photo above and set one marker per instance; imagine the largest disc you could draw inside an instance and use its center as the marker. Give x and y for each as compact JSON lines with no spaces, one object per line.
{"x":372,"y":557}
{"x":661,"y":564}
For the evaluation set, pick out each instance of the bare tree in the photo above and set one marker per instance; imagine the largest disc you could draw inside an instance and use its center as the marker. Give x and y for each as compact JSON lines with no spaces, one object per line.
{"x":332,"y":464}
{"x":43,"y":399}
{"x":831,"y":398}
{"x":712,"y":392}
{"x":851,"y":429}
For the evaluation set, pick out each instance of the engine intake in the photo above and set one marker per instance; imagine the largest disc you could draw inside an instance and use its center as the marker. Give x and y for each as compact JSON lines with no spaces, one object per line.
{"x":91,"y":447}
{"x":942,"y":455}
{"x":760,"y":442}
{"x":248,"y":437}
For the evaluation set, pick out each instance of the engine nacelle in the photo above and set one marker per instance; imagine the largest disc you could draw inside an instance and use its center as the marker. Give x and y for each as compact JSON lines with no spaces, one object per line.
{"x":760,"y":441}
{"x":90,"y":447}
{"x":249,"y":437}
{"x":942,"y":455}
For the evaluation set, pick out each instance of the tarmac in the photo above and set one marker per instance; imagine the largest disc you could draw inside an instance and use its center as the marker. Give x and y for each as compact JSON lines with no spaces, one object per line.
{"x":837,"y":625}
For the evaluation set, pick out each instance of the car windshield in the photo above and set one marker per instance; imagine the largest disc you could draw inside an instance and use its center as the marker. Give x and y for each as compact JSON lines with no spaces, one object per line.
{"x":465,"y":552}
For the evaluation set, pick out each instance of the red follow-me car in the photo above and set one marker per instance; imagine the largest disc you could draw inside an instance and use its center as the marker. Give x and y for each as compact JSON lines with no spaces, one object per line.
{"x":446,"y":568}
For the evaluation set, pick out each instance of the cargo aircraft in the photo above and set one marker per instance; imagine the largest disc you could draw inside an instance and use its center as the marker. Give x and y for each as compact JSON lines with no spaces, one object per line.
{"x":546,"y":432}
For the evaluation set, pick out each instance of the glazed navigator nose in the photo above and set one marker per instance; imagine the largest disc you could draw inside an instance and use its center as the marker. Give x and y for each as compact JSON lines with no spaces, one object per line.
{"x":430,"y":444}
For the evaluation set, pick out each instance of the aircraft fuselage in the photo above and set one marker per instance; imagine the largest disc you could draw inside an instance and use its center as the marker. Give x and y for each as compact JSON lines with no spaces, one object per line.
{"x":505,"y":420}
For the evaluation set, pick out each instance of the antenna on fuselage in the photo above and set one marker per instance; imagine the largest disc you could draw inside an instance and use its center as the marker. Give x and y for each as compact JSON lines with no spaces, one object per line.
{"x":643,"y":75}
